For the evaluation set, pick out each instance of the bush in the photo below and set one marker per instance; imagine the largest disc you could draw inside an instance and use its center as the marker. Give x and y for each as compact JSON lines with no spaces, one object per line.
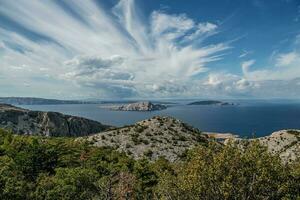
{"x":148,"y":153}
{"x":225,"y":172}
{"x":63,"y":168}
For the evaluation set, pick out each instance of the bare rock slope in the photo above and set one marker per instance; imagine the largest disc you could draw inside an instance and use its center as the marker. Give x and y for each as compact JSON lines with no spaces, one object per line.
{"x":23,"y":121}
{"x":153,"y":138}
{"x":285,"y":143}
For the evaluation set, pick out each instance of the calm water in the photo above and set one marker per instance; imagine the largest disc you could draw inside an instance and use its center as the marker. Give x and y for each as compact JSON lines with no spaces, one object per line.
{"x":244,"y":119}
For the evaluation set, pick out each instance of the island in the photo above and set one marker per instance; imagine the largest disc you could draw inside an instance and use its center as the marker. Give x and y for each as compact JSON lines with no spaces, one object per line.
{"x":139,"y":106}
{"x":211,"y":102}
{"x":39,"y":101}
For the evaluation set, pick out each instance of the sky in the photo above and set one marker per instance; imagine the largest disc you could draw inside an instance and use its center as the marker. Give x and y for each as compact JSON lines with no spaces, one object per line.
{"x":122,"y":49}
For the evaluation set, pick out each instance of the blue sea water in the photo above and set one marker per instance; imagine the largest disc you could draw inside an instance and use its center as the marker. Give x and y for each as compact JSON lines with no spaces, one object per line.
{"x":246,"y":119}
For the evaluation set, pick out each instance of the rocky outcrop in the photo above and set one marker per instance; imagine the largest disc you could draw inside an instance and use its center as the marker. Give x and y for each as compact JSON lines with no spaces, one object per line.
{"x":140,"y":106}
{"x":285,"y":143}
{"x":153,"y":138}
{"x":23,"y":121}
{"x":220,"y":137}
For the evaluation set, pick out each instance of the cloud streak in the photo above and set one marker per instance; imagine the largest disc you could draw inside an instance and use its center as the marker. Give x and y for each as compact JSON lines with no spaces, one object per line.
{"x":106,"y":49}
{"x":92,"y":51}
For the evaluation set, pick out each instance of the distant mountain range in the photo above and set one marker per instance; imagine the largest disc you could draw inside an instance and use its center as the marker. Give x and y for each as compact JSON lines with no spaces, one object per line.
{"x":44,"y":101}
{"x":211,"y":102}
{"x":38,"y":101}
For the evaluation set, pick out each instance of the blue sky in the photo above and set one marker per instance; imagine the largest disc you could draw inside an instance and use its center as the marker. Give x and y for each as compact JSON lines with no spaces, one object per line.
{"x":150,"y":49}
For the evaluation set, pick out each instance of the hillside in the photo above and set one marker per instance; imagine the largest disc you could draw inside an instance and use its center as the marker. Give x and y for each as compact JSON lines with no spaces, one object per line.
{"x":285,"y":143}
{"x":155,"y":137}
{"x":23,"y":121}
{"x":34,"y":167}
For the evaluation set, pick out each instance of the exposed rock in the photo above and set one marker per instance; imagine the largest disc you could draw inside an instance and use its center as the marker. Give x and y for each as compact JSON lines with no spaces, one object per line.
{"x":286,"y":143}
{"x":220,"y":137}
{"x":155,"y":137}
{"x":140,"y":106}
{"x":23,"y":121}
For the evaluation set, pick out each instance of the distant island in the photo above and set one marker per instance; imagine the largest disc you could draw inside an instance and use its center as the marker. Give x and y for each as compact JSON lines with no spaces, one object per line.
{"x":139,"y":106}
{"x":38,"y":101}
{"x":211,"y":102}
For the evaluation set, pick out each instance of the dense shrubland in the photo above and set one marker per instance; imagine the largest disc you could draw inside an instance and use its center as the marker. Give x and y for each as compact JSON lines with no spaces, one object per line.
{"x":62,"y":168}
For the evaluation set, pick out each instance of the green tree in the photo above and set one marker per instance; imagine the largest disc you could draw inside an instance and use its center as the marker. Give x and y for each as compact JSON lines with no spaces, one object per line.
{"x":73,"y":184}
{"x":228,"y":172}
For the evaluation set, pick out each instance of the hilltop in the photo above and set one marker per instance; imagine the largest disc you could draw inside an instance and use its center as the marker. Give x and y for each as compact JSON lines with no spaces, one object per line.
{"x":153,"y":138}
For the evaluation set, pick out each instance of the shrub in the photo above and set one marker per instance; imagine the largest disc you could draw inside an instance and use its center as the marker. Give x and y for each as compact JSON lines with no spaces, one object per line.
{"x":148,"y":153}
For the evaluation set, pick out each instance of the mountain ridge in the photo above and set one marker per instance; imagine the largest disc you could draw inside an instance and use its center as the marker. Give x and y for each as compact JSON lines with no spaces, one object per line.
{"x":27,"y":122}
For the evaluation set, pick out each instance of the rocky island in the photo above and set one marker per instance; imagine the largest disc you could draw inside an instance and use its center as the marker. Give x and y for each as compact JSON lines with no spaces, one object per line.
{"x":27,"y":122}
{"x":211,"y":102}
{"x":139,"y":106}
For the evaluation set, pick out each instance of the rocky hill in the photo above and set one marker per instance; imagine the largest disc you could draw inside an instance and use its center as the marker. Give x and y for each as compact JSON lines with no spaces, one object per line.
{"x":286,"y":143}
{"x":140,"y":106}
{"x":155,"y":137}
{"x":23,"y":121}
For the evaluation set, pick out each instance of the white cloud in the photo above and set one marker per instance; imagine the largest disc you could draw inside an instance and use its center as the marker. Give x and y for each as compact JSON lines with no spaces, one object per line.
{"x":287,"y":59}
{"x":84,"y":51}
{"x":170,"y":26}
{"x":206,"y":27}
{"x":246,"y":66}
{"x":121,"y":53}
{"x":203,"y":30}
{"x":245,"y":53}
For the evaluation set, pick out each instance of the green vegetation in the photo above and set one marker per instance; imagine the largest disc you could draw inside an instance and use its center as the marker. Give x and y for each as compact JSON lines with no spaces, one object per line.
{"x":140,"y":128}
{"x":63,"y":168}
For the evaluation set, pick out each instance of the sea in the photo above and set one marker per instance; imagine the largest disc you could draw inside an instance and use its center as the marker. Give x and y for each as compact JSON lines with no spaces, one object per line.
{"x":247,"y":118}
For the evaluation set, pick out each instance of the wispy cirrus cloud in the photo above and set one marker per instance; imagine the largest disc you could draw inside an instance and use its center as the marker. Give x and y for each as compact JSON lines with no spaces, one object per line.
{"x":106,"y":49}
{"x":80,"y":49}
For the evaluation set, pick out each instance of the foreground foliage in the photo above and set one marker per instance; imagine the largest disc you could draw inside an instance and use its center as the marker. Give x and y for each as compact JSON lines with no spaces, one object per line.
{"x":62,"y":168}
